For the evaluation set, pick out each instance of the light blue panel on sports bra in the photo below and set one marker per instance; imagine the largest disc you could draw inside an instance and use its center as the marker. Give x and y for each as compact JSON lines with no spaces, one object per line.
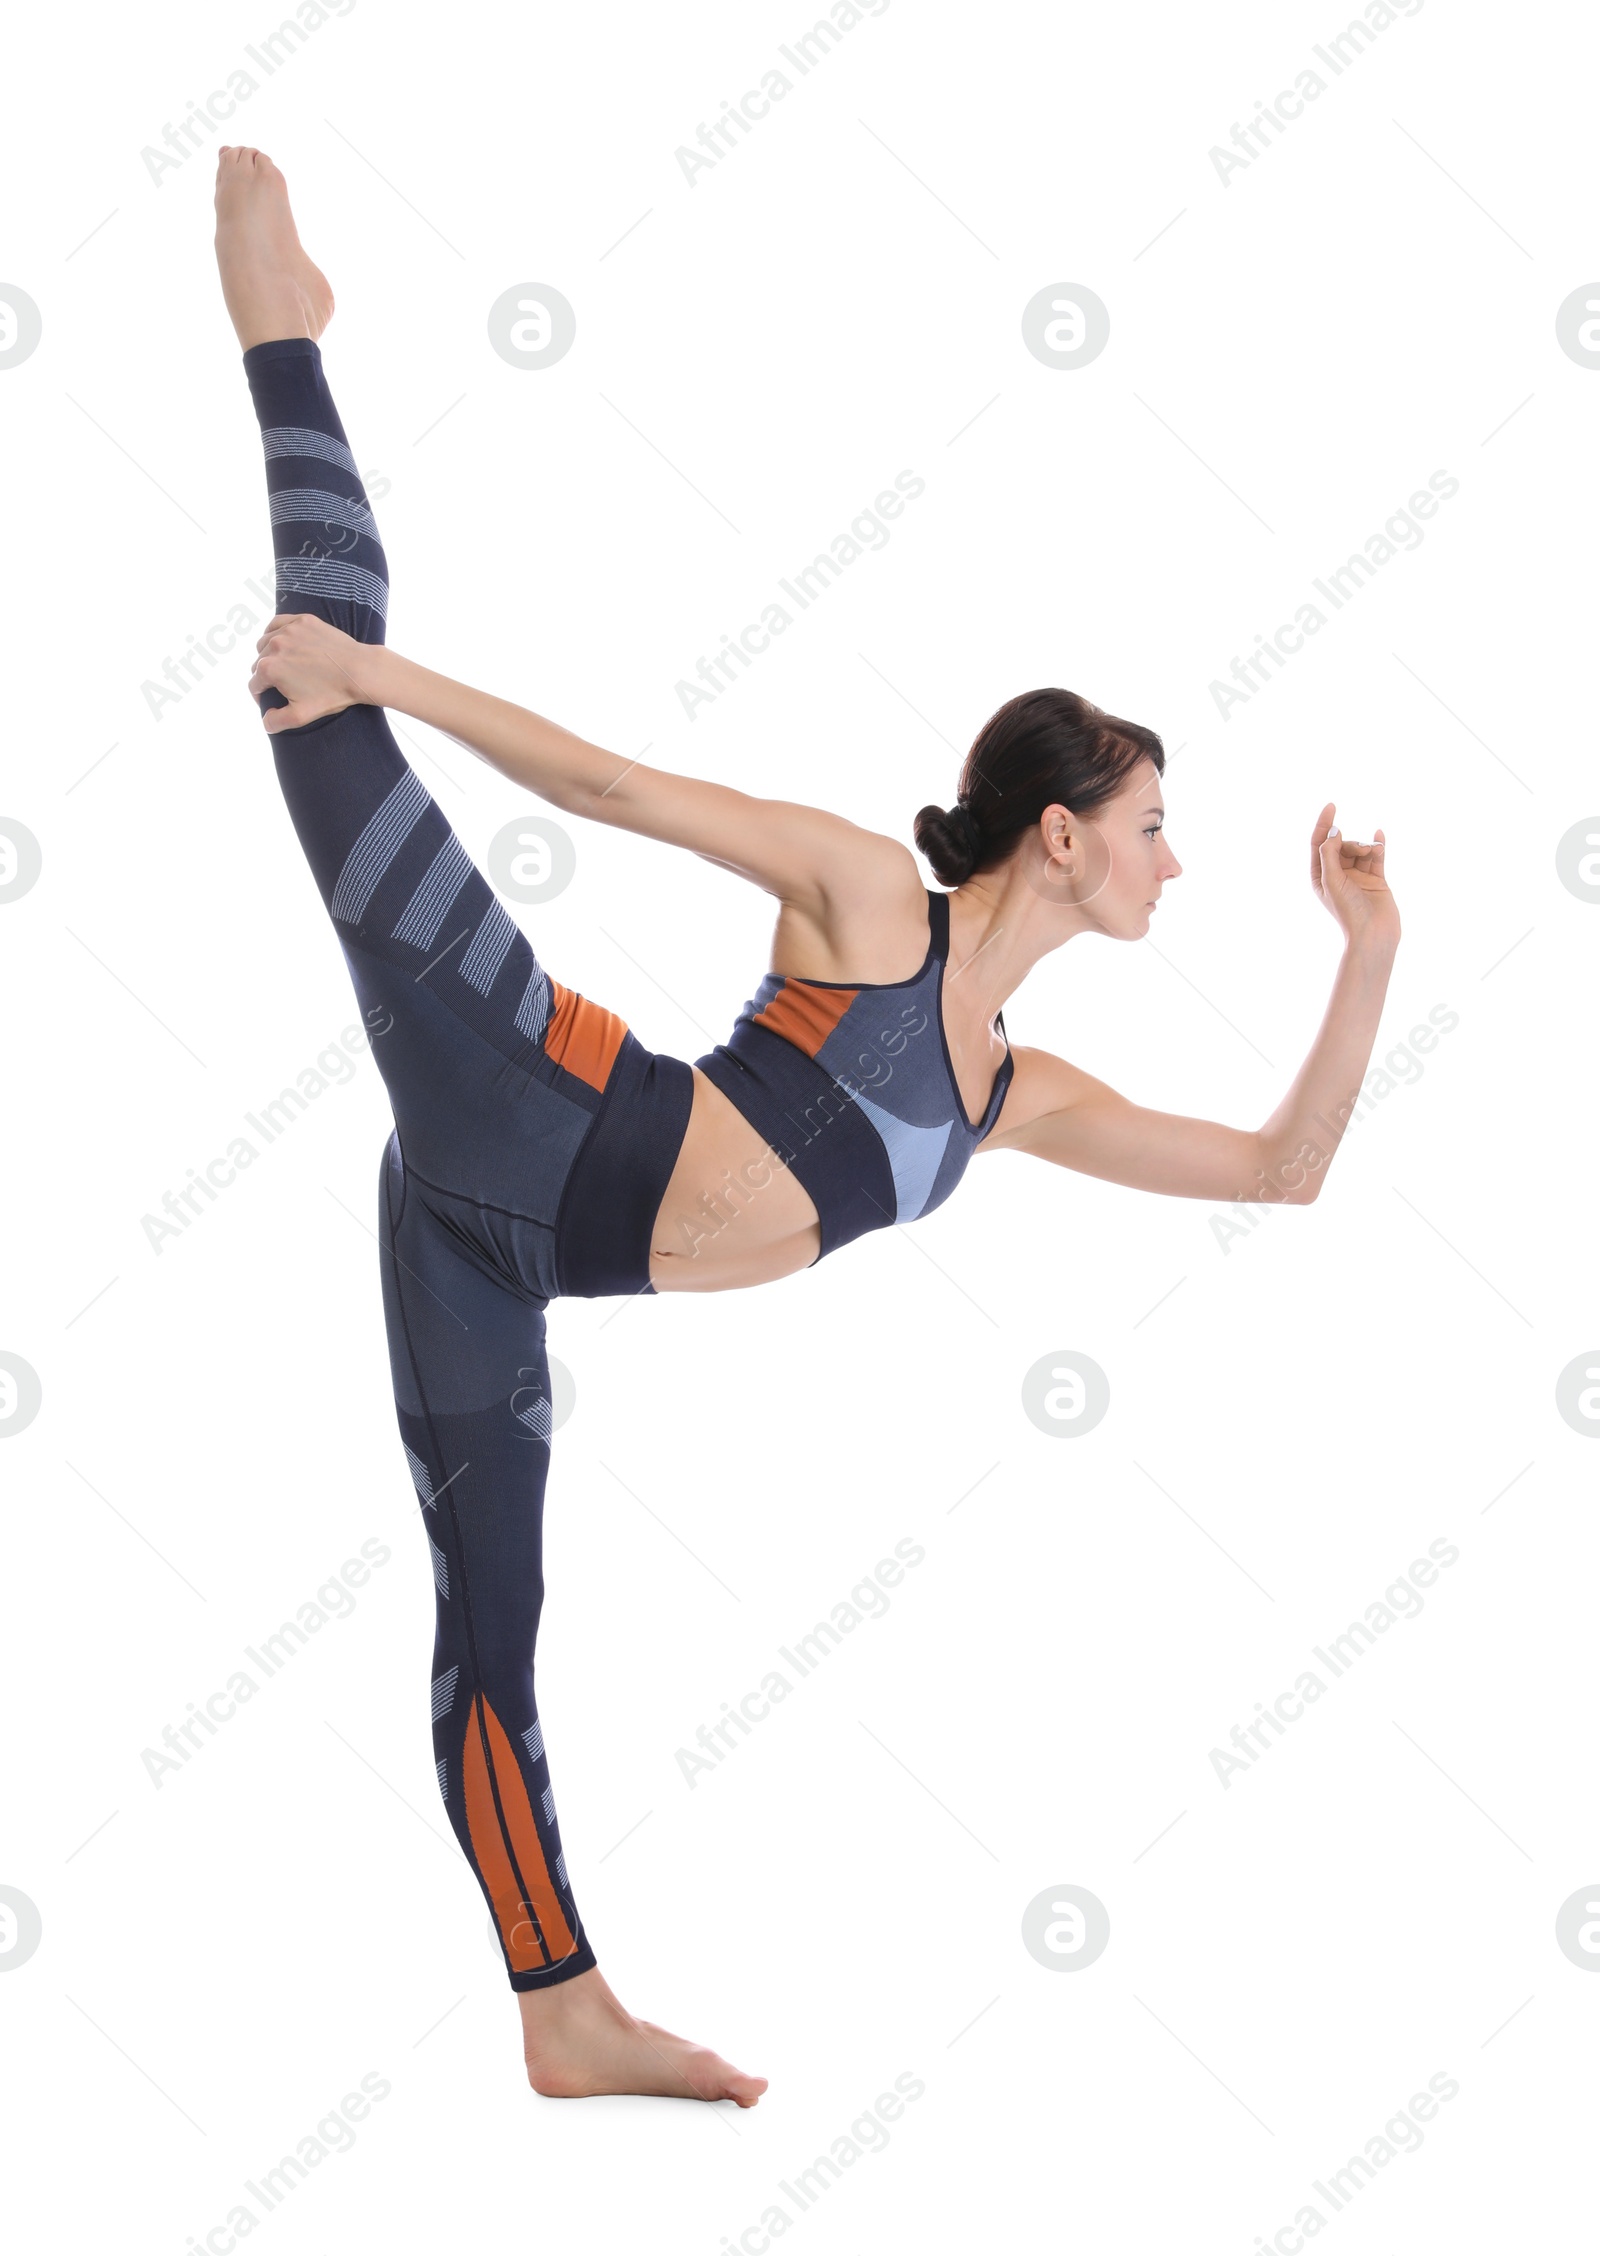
{"x":914,"y":1156}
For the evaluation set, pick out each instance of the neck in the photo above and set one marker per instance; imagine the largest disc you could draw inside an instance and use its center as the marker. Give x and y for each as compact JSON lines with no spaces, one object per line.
{"x":1001,"y":925}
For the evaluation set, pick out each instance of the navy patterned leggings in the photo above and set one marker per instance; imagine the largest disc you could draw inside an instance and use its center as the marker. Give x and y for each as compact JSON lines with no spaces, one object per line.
{"x":534,"y":1138}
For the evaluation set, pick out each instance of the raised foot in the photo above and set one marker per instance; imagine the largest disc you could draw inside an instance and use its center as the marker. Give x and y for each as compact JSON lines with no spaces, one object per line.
{"x":579,"y":2042}
{"x":270,"y":286}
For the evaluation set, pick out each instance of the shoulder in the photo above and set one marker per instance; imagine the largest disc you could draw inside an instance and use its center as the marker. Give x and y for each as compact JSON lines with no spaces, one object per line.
{"x":872,"y":859}
{"x":867,"y":920}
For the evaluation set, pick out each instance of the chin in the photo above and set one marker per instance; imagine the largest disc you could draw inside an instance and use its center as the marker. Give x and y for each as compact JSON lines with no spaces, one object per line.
{"x":1127,"y":924}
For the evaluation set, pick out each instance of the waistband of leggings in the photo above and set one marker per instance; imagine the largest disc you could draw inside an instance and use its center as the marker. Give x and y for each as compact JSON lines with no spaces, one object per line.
{"x":619,"y":1177}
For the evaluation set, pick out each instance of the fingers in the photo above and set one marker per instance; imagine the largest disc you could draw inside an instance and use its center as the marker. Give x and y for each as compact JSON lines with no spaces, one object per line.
{"x":298,"y":655}
{"x":264,"y":679}
{"x":285,"y":625}
{"x":1319,"y":832}
{"x":280,"y":716}
{"x":1337,"y":860}
{"x":1325,"y":831}
{"x":298,"y":625}
{"x":289,"y":636}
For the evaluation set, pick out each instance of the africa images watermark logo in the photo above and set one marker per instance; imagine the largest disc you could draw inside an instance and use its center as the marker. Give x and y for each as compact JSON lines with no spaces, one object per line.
{"x":870,"y":2133}
{"x":334,"y":1600}
{"x":1252,"y":139}
{"x":1400,"y":1068}
{"x":868,"y":1601}
{"x":1401,"y":1601}
{"x":1403,"y":2133}
{"x":268,"y":56}
{"x":334,"y":2134}
{"x":867,"y":530}
{"x":334,"y":1068}
{"x":1341,"y":585}
{"x":720,"y":138}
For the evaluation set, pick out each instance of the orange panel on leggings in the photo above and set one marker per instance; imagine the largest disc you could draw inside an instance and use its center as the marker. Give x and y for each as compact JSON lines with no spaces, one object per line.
{"x":581,"y":1036}
{"x":505,"y":1843}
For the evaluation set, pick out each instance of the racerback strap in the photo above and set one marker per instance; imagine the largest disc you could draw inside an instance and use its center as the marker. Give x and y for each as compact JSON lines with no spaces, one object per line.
{"x":938,"y":923}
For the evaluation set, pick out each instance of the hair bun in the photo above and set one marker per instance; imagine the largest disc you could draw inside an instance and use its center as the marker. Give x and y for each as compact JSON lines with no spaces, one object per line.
{"x":950,"y":842}
{"x":962,"y":820}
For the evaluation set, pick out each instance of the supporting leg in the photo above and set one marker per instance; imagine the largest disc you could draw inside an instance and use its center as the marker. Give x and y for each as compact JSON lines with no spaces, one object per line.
{"x":472,"y":1391}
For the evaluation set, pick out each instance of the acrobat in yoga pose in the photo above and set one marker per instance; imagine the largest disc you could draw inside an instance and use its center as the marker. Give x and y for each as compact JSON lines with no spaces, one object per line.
{"x":540,"y":1149}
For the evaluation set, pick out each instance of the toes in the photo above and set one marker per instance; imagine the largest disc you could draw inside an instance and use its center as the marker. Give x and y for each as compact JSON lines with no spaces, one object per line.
{"x":716,"y":2078}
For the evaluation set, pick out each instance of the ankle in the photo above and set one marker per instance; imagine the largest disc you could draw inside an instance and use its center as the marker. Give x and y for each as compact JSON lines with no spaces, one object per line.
{"x":568,"y":2013}
{"x":271,"y":318}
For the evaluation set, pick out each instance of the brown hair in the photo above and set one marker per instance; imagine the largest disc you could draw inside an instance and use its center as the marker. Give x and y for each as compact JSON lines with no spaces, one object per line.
{"x":1047,"y":747}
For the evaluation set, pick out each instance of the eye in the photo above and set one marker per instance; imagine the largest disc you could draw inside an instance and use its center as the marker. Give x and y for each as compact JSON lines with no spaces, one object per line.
{"x":1154,"y":831}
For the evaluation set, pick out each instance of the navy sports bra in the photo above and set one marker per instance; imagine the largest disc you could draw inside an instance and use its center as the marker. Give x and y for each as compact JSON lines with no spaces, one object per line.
{"x":853,"y":1087}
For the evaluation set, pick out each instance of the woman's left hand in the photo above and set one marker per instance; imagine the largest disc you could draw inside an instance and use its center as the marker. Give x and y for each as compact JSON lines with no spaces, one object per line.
{"x":1348,"y":880}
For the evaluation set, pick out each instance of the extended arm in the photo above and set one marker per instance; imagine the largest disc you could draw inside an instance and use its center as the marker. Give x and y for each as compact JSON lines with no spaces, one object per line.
{"x":1059,"y":1113}
{"x":806,"y":856}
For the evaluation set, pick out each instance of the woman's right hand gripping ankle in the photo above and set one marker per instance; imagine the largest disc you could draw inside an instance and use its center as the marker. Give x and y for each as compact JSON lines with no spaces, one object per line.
{"x":316,"y":667}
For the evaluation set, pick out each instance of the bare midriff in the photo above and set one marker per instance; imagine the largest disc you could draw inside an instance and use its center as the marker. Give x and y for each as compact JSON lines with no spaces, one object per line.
{"x":732,"y":1214}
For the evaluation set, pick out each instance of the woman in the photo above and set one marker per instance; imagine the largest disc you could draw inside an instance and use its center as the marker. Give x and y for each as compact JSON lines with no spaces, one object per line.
{"x":540,"y":1149}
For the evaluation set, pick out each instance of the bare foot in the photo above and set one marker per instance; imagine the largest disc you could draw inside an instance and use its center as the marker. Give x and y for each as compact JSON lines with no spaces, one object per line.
{"x":271,"y":287}
{"x":579,"y":2040}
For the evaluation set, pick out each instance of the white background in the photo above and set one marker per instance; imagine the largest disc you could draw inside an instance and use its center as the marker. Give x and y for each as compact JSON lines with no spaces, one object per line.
{"x":1291,"y":1422}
